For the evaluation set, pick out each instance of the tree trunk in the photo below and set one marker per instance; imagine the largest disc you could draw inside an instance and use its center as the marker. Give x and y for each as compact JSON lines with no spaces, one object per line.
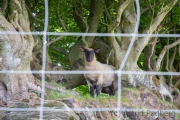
{"x":16,"y":54}
{"x":96,"y":9}
{"x":149,"y":58}
{"x":137,"y":48}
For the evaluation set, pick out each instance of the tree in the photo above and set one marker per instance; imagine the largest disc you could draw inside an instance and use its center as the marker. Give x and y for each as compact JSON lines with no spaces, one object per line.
{"x":124,"y":22}
{"x":15,"y":52}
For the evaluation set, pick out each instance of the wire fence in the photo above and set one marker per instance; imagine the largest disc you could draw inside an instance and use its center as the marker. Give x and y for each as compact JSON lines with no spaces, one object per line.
{"x":135,"y":34}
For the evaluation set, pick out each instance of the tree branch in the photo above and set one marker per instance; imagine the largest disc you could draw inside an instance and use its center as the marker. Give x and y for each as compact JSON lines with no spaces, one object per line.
{"x":96,"y":9}
{"x":113,"y":25}
{"x":152,"y":27}
{"x":171,"y":64}
{"x":177,"y":83}
{"x":64,"y":52}
{"x":167,"y":57}
{"x":66,"y":29}
{"x":151,"y":54}
{"x":106,"y":10}
{"x":179,"y":50}
{"x":35,"y":18}
{"x":79,"y":20}
{"x":54,"y":40}
{"x":146,"y":9}
{"x":4,"y":5}
{"x":161,"y":55}
{"x":18,"y":4}
{"x":82,"y":24}
{"x":117,"y":21}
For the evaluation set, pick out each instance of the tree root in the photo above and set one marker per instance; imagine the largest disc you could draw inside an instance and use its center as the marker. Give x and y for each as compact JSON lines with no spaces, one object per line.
{"x":48,"y":86}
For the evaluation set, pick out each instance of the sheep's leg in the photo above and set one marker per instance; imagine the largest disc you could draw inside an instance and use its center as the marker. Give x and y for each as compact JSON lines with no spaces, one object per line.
{"x":92,"y":91}
{"x":98,"y":89}
{"x":112,"y":89}
{"x":91,"y":87}
{"x":109,"y":90}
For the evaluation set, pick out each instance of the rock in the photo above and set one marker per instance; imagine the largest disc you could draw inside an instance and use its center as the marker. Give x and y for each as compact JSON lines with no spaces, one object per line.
{"x":73,"y":104}
{"x":2,"y":114}
{"x":82,"y":116}
{"x":63,"y":109}
{"x":64,"y":112}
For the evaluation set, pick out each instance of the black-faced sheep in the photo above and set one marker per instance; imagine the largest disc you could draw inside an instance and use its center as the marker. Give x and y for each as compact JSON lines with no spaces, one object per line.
{"x":99,"y":81}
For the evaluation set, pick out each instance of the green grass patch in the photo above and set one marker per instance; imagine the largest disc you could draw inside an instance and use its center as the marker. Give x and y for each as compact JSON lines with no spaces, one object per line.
{"x":56,"y":84}
{"x":178,"y":116}
{"x":83,"y":90}
{"x":103,"y":100}
{"x":53,"y":95}
{"x":132,"y":89}
{"x":165,"y":103}
{"x":125,"y":100}
{"x":84,"y":94}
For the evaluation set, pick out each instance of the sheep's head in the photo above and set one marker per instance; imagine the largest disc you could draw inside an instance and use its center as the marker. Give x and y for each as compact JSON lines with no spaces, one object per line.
{"x":89,"y":53}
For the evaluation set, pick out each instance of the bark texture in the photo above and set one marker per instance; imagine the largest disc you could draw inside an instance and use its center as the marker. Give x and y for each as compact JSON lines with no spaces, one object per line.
{"x":16,"y":54}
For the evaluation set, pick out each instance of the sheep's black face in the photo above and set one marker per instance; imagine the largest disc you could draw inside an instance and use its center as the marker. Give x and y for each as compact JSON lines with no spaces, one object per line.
{"x":89,"y":55}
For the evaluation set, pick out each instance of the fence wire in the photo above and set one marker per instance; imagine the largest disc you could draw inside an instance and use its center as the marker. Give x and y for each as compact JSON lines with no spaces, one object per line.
{"x":119,"y":72}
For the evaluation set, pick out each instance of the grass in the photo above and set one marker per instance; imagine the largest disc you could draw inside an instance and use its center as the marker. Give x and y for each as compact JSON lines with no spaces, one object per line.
{"x":83,"y":98}
{"x":124,"y":100}
{"x":53,"y":95}
{"x":132,"y":90}
{"x":178,"y":116}
{"x":56,"y":84}
{"x":165,"y":103}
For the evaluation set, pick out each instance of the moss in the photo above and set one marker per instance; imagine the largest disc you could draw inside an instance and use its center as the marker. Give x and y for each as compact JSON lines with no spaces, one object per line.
{"x":131,"y":90}
{"x":56,"y":84}
{"x":156,"y":81}
{"x":165,"y":103}
{"x":125,"y":100}
{"x":156,"y":93}
{"x":83,"y":90}
{"x":178,"y":116}
{"x":134,"y":107}
{"x":101,"y":99}
{"x":178,"y":107}
{"x":53,"y":95}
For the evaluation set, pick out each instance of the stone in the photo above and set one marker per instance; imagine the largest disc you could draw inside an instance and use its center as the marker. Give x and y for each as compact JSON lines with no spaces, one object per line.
{"x":64,"y":112}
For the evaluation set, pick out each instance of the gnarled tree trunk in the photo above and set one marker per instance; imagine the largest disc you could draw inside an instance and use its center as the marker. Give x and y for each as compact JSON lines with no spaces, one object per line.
{"x":16,"y":54}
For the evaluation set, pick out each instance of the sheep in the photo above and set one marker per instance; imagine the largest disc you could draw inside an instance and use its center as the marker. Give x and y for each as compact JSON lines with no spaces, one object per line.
{"x":99,"y":81}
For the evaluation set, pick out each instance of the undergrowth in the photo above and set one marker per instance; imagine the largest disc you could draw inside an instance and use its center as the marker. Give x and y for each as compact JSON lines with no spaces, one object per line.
{"x":82,"y":97}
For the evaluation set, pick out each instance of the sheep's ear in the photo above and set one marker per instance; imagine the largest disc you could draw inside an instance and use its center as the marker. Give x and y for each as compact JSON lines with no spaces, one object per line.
{"x":98,"y":50}
{"x":81,"y":49}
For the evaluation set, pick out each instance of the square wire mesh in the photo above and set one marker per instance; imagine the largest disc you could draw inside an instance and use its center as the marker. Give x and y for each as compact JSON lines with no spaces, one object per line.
{"x":133,"y":36}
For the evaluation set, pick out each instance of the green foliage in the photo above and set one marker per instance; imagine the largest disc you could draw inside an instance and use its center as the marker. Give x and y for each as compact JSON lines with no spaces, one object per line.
{"x":83,"y":90}
{"x":103,"y":99}
{"x":53,"y":95}
{"x":56,"y":84}
{"x":61,"y":19}
{"x":178,"y":116}
{"x":84,"y":94}
{"x":141,"y":61}
{"x":124,"y":100}
{"x":59,"y":51}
